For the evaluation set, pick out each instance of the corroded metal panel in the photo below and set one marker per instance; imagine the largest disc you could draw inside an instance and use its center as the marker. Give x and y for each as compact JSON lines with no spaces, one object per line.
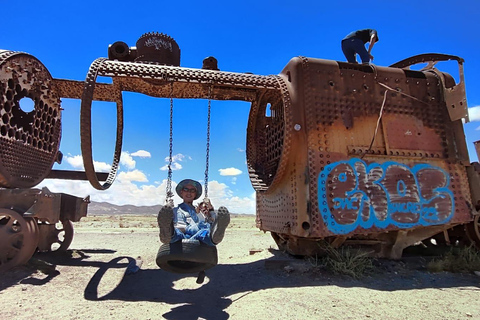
{"x":381,"y":154}
{"x":281,"y":204}
{"x":29,"y":139}
{"x":453,"y":94}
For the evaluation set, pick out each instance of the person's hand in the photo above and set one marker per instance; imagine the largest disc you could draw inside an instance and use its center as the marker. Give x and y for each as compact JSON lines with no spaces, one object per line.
{"x":371,"y":57}
{"x":208,"y":204}
{"x":204,"y":207}
{"x":205,"y":210}
{"x":201,"y":208}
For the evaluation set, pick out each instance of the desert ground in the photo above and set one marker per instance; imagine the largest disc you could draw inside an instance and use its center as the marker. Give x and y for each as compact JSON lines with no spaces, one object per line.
{"x":253,"y":280}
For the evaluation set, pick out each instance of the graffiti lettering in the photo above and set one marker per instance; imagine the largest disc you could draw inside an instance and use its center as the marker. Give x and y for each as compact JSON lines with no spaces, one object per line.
{"x":342,"y":203}
{"x":158,"y":44}
{"x":353,"y":194}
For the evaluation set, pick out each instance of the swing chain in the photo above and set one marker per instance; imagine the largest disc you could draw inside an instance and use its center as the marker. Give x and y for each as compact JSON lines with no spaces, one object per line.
{"x":169,"y":196}
{"x":208,"y":141}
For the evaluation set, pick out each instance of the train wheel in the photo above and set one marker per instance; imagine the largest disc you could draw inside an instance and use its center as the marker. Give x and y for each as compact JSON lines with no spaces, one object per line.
{"x":55,"y":237}
{"x":18,"y":239}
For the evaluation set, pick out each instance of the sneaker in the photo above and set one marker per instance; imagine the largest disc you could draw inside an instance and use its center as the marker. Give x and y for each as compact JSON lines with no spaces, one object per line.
{"x":165,"y":223}
{"x":220,"y":224}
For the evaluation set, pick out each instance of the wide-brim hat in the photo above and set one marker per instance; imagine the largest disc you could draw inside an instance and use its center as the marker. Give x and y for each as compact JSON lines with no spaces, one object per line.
{"x":186,"y":182}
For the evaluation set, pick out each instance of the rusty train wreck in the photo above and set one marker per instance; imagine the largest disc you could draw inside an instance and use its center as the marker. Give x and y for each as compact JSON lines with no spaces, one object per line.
{"x":345,"y":153}
{"x":364,"y":155}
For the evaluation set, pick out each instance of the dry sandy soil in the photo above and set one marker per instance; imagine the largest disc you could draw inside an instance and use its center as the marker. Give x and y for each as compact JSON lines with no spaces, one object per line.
{"x":253,"y":280}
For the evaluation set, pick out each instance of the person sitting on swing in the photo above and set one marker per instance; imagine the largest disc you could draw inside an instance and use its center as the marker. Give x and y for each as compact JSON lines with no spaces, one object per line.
{"x":187,"y":222}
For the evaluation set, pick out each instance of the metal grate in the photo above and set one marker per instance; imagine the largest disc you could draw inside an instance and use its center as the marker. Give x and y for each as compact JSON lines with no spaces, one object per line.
{"x":29,"y":140}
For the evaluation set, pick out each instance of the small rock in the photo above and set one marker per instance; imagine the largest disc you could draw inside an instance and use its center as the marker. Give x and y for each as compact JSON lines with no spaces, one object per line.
{"x":134,"y":266}
{"x":75,"y":254}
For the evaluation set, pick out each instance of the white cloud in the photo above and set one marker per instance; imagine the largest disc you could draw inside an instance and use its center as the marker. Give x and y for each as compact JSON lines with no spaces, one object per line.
{"x":135,"y":175}
{"x":130,"y":187}
{"x":478,"y":128}
{"x":474,"y":113}
{"x":141,"y":154}
{"x":102,"y":166}
{"x":127,"y":160}
{"x":77,"y":163}
{"x":217,"y":190}
{"x":244,"y":205}
{"x":176,"y":158}
{"x":230,"y":172}
{"x":124,"y":191}
{"x":120,"y":193}
{"x":175,"y":166}
{"x":240,"y":150}
{"x":221,"y":195}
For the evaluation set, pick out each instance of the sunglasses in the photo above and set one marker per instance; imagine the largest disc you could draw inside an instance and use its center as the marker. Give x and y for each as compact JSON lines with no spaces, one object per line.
{"x":190,"y":190}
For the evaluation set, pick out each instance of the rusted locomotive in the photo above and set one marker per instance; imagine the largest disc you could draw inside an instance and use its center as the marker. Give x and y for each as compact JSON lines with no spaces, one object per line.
{"x":347,"y":153}
{"x":364,"y":155}
{"x":31,"y":219}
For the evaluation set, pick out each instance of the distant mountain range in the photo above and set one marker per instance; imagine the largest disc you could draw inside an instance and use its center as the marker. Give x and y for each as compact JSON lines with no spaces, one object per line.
{"x":108,"y":209}
{"x":105,"y":208}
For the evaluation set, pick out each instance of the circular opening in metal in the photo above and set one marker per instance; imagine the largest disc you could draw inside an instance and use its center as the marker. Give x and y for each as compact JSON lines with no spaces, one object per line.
{"x":305,"y":226}
{"x":119,"y":49}
{"x":27,"y":105}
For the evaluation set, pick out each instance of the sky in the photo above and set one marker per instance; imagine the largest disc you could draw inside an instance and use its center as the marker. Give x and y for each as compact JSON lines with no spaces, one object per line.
{"x":245,"y":36}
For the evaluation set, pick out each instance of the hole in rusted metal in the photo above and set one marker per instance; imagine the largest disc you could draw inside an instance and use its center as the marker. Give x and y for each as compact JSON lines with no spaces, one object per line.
{"x":268,"y":111}
{"x":7,"y":106}
{"x":306,"y":225}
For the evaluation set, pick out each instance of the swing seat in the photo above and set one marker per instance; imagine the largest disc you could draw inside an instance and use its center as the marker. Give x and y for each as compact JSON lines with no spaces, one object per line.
{"x":186,"y":256}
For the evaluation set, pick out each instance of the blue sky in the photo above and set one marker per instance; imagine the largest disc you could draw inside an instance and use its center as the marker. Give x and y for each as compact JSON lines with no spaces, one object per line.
{"x":245,"y":36}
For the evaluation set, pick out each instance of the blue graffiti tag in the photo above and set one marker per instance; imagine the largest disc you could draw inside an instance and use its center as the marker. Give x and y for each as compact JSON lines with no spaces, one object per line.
{"x":352,"y":194}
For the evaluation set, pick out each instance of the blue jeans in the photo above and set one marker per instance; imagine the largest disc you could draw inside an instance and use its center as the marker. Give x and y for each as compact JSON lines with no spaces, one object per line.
{"x":350,"y":47}
{"x":200,"y":233}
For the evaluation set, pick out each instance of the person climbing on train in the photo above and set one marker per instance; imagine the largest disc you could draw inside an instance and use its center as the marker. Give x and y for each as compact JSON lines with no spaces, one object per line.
{"x":354,"y":43}
{"x":189,"y":222}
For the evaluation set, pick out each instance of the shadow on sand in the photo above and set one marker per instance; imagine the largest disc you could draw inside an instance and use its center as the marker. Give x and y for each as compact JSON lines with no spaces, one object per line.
{"x":228,"y":283}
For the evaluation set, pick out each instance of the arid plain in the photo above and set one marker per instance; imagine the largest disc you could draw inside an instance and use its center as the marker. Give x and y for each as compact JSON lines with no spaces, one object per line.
{"x":252,"y":280}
